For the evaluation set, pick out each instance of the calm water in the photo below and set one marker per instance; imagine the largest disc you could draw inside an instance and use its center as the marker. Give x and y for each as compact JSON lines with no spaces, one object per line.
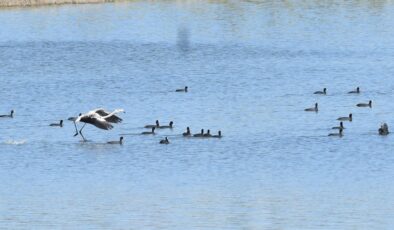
{"x":251,"y":68}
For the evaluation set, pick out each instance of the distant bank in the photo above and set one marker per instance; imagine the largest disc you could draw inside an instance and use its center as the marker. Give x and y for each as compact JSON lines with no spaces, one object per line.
{"x":13,"y":3}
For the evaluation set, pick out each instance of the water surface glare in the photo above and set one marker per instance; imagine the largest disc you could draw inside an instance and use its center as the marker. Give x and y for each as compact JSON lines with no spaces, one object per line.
{"x":251,"y":68}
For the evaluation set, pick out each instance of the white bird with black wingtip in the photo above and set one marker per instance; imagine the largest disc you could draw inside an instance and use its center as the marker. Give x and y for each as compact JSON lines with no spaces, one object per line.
{"x":99,"y":118}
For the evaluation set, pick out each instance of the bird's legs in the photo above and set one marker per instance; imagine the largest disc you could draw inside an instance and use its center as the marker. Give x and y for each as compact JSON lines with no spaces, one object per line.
{"x":76,"y":129}
{"x":80,"y":132}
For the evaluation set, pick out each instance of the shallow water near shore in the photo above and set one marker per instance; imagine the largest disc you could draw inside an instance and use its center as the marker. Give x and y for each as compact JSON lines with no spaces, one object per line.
{"x":251,"y":68}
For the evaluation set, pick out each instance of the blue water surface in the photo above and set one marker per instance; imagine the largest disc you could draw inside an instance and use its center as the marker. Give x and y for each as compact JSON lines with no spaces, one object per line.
{"x":251,"y":68}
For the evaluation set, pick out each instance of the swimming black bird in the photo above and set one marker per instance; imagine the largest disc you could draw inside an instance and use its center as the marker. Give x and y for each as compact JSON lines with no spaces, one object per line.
{"x":369,"y":104}
{"x":187,"y":133}
{"x":167,"y":126}
{"x":11,"y":115}
{"x":339,"y":134}
{"x":199,"y":134}
{"x":321,"y":92}
{"x":120,"y":142}
{"x":151,"y":126}
{"x":147,"y":133}
{"x":164,"y":141}
{"x":60,"y":124}
{"x":384,"y":129}
{"x":182,"y":90}
{"x":219,"y":135}
{"x":208,"y":134}
{"x":349,"y":118}
{"x":314,"y":109}
{"x":355,"y":91}
{"x":340,"y":126}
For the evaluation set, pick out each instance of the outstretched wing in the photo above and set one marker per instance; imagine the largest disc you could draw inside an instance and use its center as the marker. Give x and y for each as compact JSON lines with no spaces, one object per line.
{"x":111,"y":117}
{"x":114,"y":119}
{"x":96,"y":120}
{"x":100,"y":123}
{"x":101,"y":112}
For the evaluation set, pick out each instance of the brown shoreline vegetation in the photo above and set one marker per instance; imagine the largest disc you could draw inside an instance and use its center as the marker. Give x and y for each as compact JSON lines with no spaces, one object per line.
{"x":27,"y":3}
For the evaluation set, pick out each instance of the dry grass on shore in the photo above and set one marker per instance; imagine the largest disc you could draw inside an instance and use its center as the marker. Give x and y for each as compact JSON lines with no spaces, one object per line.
{"x":13,"y":3}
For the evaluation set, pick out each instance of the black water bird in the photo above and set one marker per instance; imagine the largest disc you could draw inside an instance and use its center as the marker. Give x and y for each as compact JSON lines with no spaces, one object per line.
{"x":321,"y":92}
{"x":208,"y":134}
{"x":349,"y":118}
{"x":182,"y":90}
{"x":148,"y":133}
{"x":340,"y":126}
{"x":199,"y":134}
{"x":169,"y":126}
{"x":384,"y":129}
{"x":369,"y":104}
{"x":187,"y":133}
{"x":219,"y":135}
{"x":120,"y":142}
{"x":151,"y":126}
{"x":314,"y":109}
{"x":60,"y":124}
{"x":164,"y":141}
{"x":11,"y":115}
{"x":339,"y":134}
{"x":355,"y":91}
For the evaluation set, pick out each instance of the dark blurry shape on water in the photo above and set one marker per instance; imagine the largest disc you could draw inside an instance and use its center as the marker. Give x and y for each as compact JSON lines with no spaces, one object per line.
{"x":251,"y":69}
{"x":183,"y":38}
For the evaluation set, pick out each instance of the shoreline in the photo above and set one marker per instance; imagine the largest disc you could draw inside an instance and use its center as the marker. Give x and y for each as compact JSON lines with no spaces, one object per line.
{"x":31,"y":3}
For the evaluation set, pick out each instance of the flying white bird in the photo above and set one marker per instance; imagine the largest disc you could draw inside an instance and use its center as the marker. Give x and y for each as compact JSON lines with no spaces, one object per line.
{"x":99,"y":118}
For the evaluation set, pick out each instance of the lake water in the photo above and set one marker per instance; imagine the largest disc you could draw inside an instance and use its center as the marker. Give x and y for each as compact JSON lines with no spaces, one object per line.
{"x":251,"y":68}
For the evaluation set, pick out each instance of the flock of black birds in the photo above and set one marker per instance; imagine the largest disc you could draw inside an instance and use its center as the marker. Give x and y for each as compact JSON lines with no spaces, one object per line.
{"x":105,"y":120}
{"x":383,"y":130}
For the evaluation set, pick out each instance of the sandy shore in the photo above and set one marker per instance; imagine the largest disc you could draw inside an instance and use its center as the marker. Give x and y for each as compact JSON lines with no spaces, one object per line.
{"x":14,"y":3}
